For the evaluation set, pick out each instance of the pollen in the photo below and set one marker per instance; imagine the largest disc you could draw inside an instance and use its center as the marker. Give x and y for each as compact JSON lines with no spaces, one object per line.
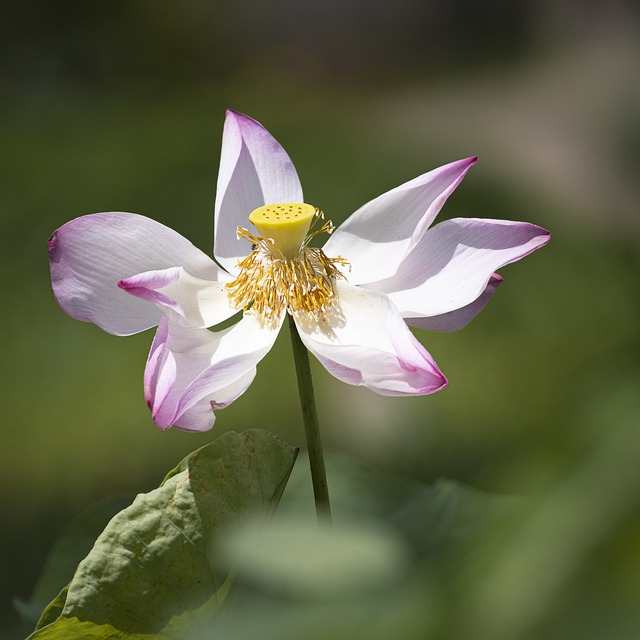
{"x":282,"y":272}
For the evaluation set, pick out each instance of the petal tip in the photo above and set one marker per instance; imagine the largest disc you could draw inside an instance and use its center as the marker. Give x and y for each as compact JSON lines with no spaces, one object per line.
{"x":162,"y":427}
{"x":232,"y":113}
{"x":464,"y":163}
{"x":241,"y":118}
{"x":440,"y":384}
{"x":467,"y":163}
{"x":542,"y":238}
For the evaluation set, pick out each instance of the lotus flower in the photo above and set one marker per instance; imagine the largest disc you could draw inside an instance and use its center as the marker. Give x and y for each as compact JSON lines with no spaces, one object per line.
{"x":352,"y":300}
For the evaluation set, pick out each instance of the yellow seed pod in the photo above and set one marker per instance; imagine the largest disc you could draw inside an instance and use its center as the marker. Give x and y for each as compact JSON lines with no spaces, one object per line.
{"x":284,"y":224}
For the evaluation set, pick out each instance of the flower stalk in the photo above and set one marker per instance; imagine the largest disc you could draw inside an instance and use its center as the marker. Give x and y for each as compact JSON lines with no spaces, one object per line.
{"x":311,"y":426}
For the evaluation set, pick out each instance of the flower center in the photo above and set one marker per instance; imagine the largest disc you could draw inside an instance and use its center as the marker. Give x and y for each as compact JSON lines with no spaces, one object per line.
{"x":286,"y":225}
{"x":282,"y":271}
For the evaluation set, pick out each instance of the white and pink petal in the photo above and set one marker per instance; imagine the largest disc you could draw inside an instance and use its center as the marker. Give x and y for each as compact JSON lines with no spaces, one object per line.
{"x":193,"y":301}
{"x":88,"y":256}
{"x":366,"y":342}
{"x":377,"y":237}
{"x":452,"y":265}
{"x":191,"y":372}
{"x":200,"y":416}
{"x":254,"y":170}
{"x":460,"y":318}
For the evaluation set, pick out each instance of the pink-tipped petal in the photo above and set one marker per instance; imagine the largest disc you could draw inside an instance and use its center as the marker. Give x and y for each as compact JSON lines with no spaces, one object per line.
{"x":254,"y":170}
{"x":191,"y":372}
{"x":147,"y":285}
{"x":366,"y":342}
{"x":91,"y":254}
{"x":455,"y":320}
{"x":196,"y":302}
{"x":452,"y":265}
{"x":378,"y":236}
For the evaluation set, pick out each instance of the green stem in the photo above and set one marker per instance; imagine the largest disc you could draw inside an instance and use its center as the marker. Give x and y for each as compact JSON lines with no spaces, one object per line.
{"x":311,"y":427}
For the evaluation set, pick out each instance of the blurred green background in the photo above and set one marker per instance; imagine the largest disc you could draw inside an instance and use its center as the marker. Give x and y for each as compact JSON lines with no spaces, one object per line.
{"x":120,"y":105}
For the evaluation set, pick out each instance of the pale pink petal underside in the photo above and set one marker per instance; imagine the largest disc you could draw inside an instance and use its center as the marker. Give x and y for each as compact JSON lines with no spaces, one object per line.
{"x":460,"y":318}
{"x":452,"y":265}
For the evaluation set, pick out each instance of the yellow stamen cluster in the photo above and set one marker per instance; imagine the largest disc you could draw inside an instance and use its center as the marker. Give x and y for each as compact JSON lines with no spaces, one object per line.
{"x":300,"y":281}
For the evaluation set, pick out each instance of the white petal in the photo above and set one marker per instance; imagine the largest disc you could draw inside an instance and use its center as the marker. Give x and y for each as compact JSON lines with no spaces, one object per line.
{"x":193,"y":301}
{"x":254,"y":170}
{"x":90,"y":255}
{"x":368,"y":343}
{"x":200,"y":416}
{"x":377,"y":237}
{"x":190,"y":372}
{"x":455,"y":320}
{"x":453,"y":263}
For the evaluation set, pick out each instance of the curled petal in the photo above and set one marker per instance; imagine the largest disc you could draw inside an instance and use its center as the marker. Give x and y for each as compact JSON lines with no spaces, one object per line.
{"x":254,"y":170}
{"x":191,"y":372}
{"x":200,"y":416}
{"x":160,"y":372}
{"x":366,"y":342}
{"x":91,"y":254}
{"x":194,"y":301}
{"x":455,"y":320}
{"x":452,"y":265}
{"x":378,"y":236}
